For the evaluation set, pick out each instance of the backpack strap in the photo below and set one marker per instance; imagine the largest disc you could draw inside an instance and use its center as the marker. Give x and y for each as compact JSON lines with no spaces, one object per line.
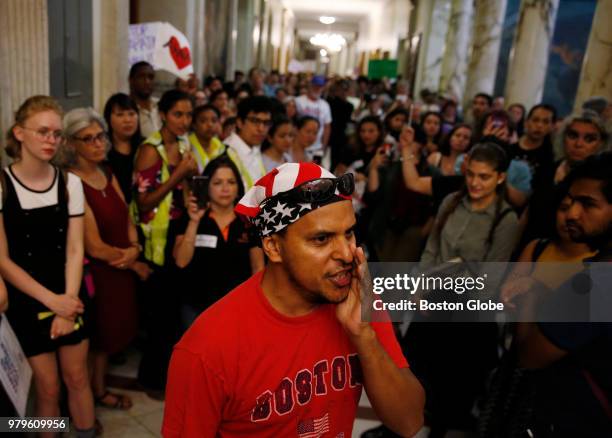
{"x":539,"y":248}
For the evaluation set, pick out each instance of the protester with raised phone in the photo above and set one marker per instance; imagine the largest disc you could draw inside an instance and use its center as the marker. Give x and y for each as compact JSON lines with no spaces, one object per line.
{"x":287,"y":351}
{"x":212,"y":238}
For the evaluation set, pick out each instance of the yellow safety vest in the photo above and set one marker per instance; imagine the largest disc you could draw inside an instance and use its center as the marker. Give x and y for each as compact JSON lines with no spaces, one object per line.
{"x":216,"y":149}
{"x":156,"y":230}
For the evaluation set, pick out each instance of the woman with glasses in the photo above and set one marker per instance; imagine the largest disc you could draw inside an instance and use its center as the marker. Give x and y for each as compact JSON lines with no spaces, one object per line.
{"x":41,"y":258}
{"x":163,"y":163}
{"x":211,"y":240}
{"x":111,"y":243}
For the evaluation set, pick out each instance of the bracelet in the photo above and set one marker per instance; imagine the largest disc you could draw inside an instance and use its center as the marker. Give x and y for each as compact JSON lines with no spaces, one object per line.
{"x":136,"y":245}
{"x":409,"y":157}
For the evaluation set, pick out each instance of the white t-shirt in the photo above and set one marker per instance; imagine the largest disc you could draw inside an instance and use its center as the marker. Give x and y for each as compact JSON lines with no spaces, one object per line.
{"x":30,"y":199}
{"x":319,"y":109}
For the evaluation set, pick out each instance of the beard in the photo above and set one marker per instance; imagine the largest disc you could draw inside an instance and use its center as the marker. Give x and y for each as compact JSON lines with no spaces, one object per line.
{"x":596,"y":240}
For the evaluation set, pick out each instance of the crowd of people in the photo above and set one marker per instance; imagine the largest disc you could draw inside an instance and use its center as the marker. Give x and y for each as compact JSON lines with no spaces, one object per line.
{"x":122,"y":226}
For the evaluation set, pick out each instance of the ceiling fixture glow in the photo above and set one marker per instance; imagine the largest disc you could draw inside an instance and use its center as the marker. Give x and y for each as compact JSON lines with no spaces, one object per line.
{"x":327,"y":20}
{"x":333,"y":42}
{"x":323,"y":52}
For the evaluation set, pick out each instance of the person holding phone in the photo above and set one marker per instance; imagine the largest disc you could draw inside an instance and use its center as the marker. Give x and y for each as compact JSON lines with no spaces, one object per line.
{"x":288,"y":347}
{"x":213,"y":243}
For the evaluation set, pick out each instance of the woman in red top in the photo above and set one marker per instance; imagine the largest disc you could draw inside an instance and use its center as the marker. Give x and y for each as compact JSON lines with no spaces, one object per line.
{"x":111,"y":242}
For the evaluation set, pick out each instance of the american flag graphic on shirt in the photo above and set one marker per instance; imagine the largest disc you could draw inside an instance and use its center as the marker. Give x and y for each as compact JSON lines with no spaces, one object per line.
{"x":314,"y":427}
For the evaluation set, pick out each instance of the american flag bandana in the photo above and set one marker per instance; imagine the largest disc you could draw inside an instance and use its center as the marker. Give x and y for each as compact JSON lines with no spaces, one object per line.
{"x":272,"y":215}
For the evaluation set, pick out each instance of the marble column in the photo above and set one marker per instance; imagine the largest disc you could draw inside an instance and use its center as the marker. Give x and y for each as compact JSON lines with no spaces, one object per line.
{"x":596,"y":74}
{"x":454,"y":62}
{"x":530,"y":51}
{"x":245,"y":47}
{"x":432,"y":49}
{"x":24,"y":56}
{"x":111,"y":20}
{"x":232,"y":39}
{"x":486,"y":39}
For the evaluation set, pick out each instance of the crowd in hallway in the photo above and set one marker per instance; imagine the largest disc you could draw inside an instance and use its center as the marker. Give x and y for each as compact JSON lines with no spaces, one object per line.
{"x":118,"y":230}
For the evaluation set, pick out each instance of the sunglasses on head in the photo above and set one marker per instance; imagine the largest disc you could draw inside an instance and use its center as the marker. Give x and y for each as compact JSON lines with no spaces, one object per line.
{"x":320,"y":190}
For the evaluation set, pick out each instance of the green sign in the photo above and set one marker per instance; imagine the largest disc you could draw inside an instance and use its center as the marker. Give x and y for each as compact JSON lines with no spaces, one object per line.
{"x":378,"y":69}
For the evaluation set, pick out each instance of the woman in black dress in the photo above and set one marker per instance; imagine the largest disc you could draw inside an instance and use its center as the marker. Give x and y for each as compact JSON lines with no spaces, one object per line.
{"x":121,"y":115}
{"x":41,"y":258}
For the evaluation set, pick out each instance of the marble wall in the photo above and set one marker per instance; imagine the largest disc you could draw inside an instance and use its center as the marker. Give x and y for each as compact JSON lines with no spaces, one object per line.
{"x":432,"y":50}
{"x":111,"y":19}
{"x":530,"y":51}
{"x":23,"y":71}
{"x":596,"y":75}
{"x":484,"y":52}
{"x":454,"y":62}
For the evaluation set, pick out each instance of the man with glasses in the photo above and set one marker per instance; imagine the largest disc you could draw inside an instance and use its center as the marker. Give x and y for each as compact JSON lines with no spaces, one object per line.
{"x":253,"y":120}
{"x":287,"y":353}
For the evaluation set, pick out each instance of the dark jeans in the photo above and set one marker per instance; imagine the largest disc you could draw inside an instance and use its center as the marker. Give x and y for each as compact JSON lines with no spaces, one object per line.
{"x":160,"y":301}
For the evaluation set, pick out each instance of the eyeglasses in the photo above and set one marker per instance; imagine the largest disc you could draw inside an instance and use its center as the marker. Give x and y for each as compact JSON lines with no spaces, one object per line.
{"x":322,"y":189}
{"x":91,"y":139}
{"x":257,"y":121}
{"x":45,"y":134}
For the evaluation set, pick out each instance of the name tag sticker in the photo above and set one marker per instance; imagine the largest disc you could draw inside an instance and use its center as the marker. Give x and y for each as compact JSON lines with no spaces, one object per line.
{"x":206,"y":241}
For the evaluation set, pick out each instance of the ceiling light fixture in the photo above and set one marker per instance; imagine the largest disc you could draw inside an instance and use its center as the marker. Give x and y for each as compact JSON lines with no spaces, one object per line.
{"x":332,"y":42}
{"x":327,"y":20}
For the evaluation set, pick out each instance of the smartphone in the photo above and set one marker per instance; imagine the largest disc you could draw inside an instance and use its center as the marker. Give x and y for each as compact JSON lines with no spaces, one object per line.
{"x":497,"y":122}
{"x":199,"y":188}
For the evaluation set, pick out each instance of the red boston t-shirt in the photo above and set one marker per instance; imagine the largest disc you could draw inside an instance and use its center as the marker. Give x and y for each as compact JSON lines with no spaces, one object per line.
{"x":245,"y":370}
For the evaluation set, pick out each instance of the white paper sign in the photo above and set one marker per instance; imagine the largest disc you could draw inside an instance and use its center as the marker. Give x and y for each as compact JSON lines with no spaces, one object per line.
{"x":206,"y":241}
{"x":15,"y":371}
{"x":161,"y":45}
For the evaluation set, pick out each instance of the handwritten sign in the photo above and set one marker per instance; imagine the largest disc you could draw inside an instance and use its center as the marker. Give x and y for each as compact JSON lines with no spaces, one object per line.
{"x":15,"y":371}
{"x":161,"y":45}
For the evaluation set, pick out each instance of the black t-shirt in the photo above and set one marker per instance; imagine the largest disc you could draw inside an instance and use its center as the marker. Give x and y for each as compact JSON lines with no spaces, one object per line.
{"x":123,"y":168}
{"x":341,"y":111}
{"x":540,"y":161}
{"x":444,"y":185}
{"x":217,"y":266}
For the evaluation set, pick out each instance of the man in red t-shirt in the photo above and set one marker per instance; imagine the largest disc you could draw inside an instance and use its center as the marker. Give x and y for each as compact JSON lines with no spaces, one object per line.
{"x":286,"y":354}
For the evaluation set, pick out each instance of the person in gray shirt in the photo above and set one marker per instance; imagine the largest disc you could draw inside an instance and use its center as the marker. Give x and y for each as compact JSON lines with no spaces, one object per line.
{"x":453,"y":359}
